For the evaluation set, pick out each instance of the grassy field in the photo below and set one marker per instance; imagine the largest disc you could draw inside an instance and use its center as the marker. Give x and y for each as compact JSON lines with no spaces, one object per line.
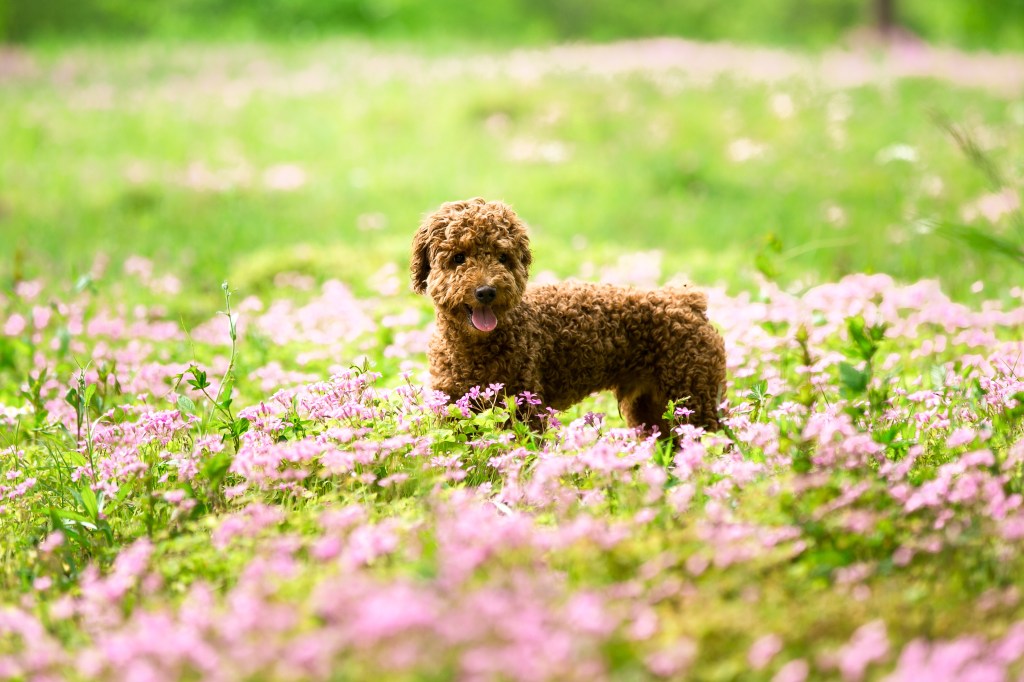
{"x":251,"y":481}
{"x":217,"y":161}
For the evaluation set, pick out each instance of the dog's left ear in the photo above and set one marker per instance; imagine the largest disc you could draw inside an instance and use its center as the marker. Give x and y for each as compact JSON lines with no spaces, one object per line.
{"x":523,"y":247}
{"x":419,"y":266}
{"x":525,"y":255}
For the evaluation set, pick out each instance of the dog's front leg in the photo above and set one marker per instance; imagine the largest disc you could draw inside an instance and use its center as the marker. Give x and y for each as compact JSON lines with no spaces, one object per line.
{"x":530,"y":405}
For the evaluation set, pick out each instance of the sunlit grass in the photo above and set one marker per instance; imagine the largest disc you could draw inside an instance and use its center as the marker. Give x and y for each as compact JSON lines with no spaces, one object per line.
{"x":337,"y":149}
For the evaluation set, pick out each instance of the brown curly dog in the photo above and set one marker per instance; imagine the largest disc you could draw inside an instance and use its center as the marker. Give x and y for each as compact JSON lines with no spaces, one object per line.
{"x":559,"y":342}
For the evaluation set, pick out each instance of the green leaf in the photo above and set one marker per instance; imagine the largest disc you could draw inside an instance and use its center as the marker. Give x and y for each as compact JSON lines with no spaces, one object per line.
{"x":227,"y":387}
{"x":853,"y":380}
{"x":981,"y":241}
{"x":122,"y":493}
{"x":199,"y":382}
{"x":84,"y":282}
{"x":185,"y":405}
{"x":759,"y":391}
{"x":216,"y":468}
{"x":68,"y":515}
{"x":765,"y":258}
{"x":864,"y":344}
{"x":887,"y":435}
{"x":236,"y":428}
{"x":765,"y":266}
{"x":63,"y":340}
{"x":87,"y":496}
{"x":74,"y":457}
{"x":483,"y":419}
{"x":90,"y":391}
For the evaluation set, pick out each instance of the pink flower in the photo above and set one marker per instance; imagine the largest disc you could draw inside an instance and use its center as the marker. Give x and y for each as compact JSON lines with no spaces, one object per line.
{"x":902,"y":556}
{"x":15,"y":325}
{"x":51,"y":542}
{"x":869,"y":644}
{"x":28,"y":289}
{"x":962,"y":436}
{"x":41,"y":316}
{"x":246,"y":523}
{"x":763,"y":651}
{"x":285,"y":177}
{"x":393,"y":480}
{"x":673,"y":661}
{"x":794,"y":671}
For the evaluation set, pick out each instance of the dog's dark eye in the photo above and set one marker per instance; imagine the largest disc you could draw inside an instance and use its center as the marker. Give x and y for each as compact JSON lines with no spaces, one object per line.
{"x":459,"y":258}
{"x":503,"y":258}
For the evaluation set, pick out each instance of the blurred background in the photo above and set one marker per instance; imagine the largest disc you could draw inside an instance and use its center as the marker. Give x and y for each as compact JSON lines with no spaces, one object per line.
{"x":798,"y":140}
{"x":991,"y":24}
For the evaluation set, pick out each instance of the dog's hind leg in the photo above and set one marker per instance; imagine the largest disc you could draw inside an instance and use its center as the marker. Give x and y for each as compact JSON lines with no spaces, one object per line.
{"x":696,"y":391}
{"x":643,"y":407}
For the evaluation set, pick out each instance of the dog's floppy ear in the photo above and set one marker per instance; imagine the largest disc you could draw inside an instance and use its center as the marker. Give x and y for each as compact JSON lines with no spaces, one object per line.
{"x":419,"y":266}
{"x":522,"y":241}
{"x":525,"y":255}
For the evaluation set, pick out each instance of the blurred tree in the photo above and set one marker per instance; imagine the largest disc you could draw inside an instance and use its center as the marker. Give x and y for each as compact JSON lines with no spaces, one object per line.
{"x":885,"y":16}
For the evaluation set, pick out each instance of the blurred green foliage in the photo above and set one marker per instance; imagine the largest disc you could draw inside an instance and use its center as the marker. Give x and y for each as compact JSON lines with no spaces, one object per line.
{"x":992,"y":24}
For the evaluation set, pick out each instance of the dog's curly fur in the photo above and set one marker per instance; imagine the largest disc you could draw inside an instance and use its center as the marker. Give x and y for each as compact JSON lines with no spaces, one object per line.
{"x":559,"y":342}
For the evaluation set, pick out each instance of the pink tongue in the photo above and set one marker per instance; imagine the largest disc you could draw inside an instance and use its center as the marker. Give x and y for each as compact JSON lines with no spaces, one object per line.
{"x":484,"y":319}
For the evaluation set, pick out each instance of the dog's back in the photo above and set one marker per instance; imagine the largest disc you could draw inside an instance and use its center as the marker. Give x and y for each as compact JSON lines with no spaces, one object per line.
{"x":594,"y":337}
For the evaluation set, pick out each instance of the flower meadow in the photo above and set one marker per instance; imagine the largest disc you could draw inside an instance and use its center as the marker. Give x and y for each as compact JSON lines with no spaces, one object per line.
{"x":276,"y":494}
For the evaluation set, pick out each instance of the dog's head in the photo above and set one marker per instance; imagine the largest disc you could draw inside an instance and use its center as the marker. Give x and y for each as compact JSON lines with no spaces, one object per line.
{"x":472,"y":258}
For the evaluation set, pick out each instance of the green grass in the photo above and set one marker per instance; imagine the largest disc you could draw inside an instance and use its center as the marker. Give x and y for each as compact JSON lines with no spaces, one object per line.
{"x":99,"y":144}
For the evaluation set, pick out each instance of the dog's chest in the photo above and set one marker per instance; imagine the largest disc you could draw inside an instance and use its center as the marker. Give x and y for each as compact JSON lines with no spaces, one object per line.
{"x":461,"y":366}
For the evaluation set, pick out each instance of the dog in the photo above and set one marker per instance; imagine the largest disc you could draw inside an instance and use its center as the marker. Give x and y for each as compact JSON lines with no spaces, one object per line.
{"x":559,"y":342}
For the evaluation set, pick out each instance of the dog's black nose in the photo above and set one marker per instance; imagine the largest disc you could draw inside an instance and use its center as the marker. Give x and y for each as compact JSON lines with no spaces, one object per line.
{"x":486,"y":295}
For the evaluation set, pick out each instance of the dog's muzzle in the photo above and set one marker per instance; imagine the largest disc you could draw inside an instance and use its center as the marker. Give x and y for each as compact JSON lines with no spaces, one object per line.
{"x":481,"y":316}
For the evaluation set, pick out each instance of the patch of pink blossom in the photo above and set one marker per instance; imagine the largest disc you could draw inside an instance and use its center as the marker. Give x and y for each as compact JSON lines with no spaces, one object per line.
{"x":963,"y":658}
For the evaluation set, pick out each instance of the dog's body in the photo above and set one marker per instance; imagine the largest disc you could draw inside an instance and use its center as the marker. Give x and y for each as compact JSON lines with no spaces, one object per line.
{"x":559,"y":342}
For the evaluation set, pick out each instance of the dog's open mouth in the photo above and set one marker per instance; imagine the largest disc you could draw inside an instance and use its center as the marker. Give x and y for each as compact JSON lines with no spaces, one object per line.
{"x":482,"y":317}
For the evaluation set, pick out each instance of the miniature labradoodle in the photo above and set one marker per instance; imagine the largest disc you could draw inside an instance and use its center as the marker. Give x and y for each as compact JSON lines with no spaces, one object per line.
{"x":559,"y":342}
